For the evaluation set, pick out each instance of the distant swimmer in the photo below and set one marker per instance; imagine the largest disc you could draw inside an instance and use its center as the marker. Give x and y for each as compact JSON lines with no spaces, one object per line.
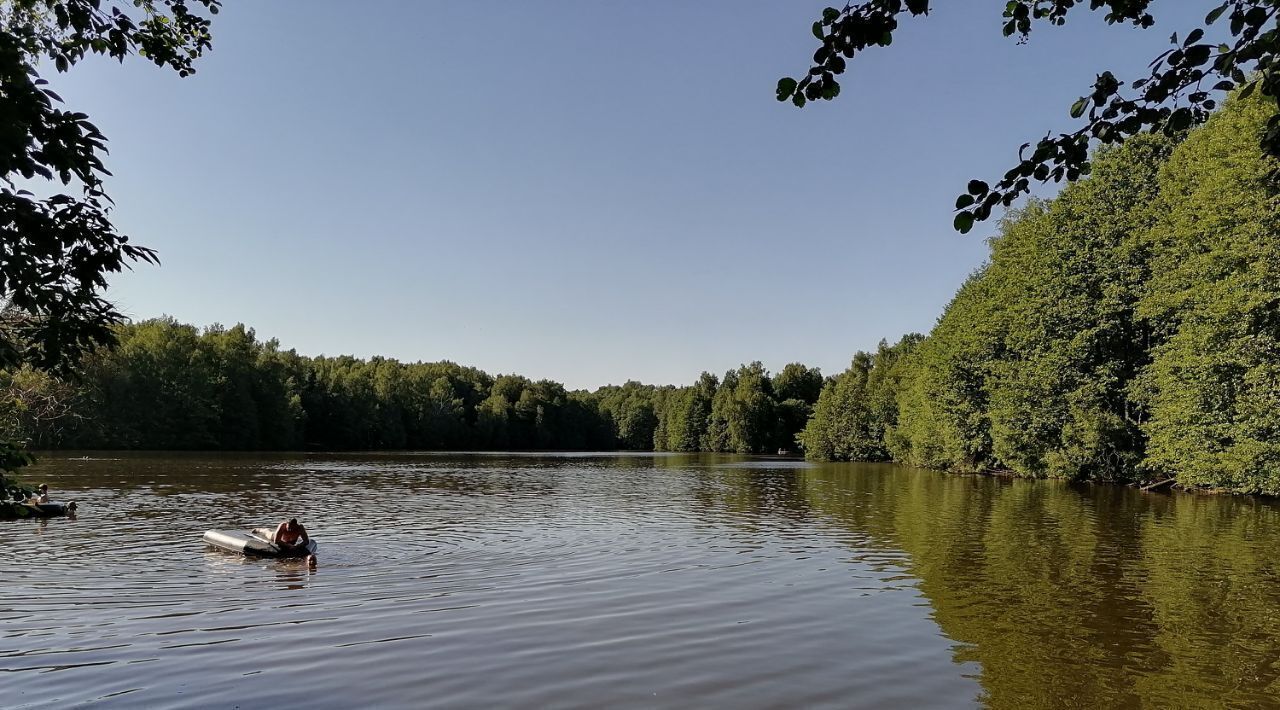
{"x":42,"y":495}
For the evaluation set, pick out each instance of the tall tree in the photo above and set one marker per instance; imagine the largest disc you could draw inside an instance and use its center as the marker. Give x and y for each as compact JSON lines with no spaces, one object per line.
{"x":796,"y":389}
{"x":943,"y":419}
{"x":59,"y":248}
{"x":1070,"y":274}
{"x":684,"y":416}
{"x":858,"y":408}
{"x":1214,"y":381}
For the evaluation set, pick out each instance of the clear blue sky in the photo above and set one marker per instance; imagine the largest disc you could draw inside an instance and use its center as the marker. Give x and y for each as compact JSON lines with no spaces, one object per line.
{"x":588,"y":191}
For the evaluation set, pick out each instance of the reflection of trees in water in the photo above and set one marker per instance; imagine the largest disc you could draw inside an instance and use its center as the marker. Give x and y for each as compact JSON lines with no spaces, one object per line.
{"x":1213,"y":571}
{"x":1089,"y":597}
{"x":751,"y":495}
{"x":257,"y":475}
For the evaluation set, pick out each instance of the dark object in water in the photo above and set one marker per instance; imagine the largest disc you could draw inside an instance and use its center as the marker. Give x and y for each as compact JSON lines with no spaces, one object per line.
{"x":38,"y":510}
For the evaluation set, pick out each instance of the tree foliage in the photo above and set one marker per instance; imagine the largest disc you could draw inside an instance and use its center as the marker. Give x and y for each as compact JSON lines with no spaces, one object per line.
{"x":169,"y":385}
{"x":1127,"y":330}
{"x":943,"y":417}
{"x":858,"y":407}
{"x":1214,"y":381}
{"x":57,"y":248}
{"x":60,"y":248}
{"x":1184,"y":85}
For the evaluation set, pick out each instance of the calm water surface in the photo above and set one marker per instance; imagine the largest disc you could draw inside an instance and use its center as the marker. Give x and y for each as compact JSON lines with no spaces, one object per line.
{"x":508,"y":580}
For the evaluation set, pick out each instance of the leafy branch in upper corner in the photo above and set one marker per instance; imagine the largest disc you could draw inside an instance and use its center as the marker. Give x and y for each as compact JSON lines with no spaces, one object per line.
{"x":57,"y":251}
{"x":1180,"y":91}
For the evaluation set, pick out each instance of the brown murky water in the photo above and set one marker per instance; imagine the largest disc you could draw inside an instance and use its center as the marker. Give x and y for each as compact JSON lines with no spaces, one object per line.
{"x":510,"y":580}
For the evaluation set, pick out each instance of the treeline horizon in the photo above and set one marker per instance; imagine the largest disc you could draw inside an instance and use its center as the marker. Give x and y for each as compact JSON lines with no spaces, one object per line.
{"x":167,"y":385}
{"x":1127,"y":330}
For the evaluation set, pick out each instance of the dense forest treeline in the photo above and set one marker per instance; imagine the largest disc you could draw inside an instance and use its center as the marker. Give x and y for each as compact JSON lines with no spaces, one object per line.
{"x":168,"y":385}
{"x":1127,"y":330}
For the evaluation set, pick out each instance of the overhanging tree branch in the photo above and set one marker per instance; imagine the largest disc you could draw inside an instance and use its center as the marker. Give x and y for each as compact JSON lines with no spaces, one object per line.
{"x":1183,"y":87}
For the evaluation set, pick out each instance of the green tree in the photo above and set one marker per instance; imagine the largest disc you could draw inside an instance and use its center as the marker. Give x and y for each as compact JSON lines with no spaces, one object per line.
{"x":1214,"y":381}
{"x":943,"y":417}
{"x":38,"y":408}
{"x":799,"y":382}
{"x":684,"y":415}
{"x":1069,"y":274}
{"x":840,"y":428}
{"x":1032,"y":367}
{"x":858,"y":408}
{"x":277,"y":397}
{"x":59,"y":248}
{"x":631,"y":410}
{"x":796,"y":390}
{"x":156,"y":389}
{"x":443,"y":421}
{"x":716,"y":437}
{"x":493,"y":423}
{"x":743,"y":412}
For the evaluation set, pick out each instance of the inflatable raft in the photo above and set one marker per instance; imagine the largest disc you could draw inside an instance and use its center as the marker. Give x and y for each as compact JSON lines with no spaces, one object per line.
{"x":255,"y":542}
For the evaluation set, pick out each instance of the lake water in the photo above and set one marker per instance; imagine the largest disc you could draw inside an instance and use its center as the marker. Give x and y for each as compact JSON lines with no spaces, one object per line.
{"x":645,"y":581}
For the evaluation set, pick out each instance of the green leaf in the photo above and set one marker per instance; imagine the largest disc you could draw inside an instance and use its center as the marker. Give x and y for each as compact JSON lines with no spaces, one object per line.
{"x":817,"y":30}
{"x":1077,"y":108}
{"x":830,"y":15}
{"x":978,"y":187}
{"x":786,"y":87}
{"x":1197,"y":55}
{"x":964,"y":201}
{"x":963,"y":222}
{"x":1215,"y":13}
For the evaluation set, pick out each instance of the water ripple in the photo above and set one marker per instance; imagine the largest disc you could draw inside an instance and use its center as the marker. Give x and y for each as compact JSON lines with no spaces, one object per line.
{"x":626,"y":581}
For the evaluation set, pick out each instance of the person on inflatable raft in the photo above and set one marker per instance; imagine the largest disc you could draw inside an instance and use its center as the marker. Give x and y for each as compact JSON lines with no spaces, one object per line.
{"x":290,"y":535}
